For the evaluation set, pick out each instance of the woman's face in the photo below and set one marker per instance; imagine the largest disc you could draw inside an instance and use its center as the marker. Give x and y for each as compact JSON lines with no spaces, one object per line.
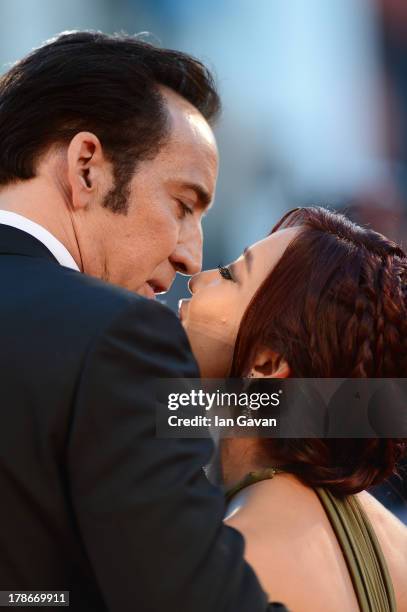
{"x":219,"y":300}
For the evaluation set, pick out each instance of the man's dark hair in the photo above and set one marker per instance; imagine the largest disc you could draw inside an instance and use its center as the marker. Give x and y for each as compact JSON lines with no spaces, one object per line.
{"x":105,"y":84}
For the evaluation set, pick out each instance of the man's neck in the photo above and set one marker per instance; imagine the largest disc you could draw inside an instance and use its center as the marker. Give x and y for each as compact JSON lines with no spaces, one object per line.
{"x":42,"y":204}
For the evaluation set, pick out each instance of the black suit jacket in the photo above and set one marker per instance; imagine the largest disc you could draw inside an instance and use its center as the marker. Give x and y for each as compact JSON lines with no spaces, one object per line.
{"x":90,"y":500}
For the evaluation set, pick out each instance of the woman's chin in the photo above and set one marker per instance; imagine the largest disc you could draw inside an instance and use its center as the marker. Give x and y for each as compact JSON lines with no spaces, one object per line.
{"x":212,"y":368}
{"x":214,"y":356}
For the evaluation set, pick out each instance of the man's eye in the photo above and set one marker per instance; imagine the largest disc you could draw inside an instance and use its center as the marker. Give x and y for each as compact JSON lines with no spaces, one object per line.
{"x":225,"y":273}
{"x":186,"y":210}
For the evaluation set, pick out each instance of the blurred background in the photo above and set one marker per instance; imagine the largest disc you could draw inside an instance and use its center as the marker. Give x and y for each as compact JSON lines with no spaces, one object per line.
{"x":315,"y":106}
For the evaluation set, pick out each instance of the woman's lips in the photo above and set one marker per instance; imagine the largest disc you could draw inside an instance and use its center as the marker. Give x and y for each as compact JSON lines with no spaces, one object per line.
{"x":182,"y":308}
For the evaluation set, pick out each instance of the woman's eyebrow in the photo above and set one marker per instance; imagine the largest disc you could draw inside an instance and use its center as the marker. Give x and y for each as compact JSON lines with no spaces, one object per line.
{"x":248,"y":257}
{"x":234,"y":272}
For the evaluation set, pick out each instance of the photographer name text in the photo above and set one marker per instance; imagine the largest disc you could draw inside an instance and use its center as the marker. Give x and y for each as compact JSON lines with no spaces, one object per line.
{"x":217,"y":421}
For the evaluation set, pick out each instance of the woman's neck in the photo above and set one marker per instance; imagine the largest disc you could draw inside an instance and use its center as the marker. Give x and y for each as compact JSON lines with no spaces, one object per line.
{"x":258,"y":498}
{"x":239,"y":457}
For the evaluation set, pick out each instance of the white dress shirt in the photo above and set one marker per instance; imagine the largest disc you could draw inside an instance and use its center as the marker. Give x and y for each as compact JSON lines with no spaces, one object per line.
{"x":59,"y":251}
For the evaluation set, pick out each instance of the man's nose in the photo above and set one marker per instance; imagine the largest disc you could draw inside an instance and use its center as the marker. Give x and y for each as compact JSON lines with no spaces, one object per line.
{"x":187,"y":256}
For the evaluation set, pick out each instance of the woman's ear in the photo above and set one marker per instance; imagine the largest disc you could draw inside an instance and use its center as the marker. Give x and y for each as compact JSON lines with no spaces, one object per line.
{"x":268,"y":364}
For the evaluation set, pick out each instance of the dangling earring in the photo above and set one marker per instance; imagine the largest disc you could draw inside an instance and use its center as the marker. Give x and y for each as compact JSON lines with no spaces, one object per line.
{"x":250,"y":375}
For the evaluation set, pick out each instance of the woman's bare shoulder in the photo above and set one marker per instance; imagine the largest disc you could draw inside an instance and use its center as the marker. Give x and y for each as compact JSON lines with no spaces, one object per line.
{"x":392,"y":536}
{"x":381,"y":516}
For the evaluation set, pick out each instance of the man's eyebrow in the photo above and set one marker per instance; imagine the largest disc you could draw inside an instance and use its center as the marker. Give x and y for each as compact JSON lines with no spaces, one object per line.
{"x":204,"y":197}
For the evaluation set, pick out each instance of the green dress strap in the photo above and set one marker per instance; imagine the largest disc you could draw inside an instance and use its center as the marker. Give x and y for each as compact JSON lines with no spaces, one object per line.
{"x":357,"y":539}
{"x":361,"y":549}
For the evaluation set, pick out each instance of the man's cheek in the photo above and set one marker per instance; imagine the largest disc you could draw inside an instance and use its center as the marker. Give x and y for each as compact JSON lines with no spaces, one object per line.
{"x":165,"y":229}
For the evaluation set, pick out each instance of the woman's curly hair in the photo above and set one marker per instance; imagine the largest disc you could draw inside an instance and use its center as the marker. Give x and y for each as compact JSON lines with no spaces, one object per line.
{"x":334,"y":306}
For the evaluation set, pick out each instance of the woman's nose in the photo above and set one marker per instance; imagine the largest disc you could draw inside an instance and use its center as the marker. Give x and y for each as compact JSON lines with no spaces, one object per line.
{"x":193,"y":282}
{"x":199,"y":280}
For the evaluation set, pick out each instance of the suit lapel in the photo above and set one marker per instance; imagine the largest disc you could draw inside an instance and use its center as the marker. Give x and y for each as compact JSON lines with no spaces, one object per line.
{"x":14,"y":241}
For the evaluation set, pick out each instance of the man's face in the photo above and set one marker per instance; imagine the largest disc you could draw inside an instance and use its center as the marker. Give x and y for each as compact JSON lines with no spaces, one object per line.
{"x":161,"y":232}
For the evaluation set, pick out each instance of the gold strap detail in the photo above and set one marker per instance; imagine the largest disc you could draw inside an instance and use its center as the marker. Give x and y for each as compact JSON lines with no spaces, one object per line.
{"x":252,"y":478}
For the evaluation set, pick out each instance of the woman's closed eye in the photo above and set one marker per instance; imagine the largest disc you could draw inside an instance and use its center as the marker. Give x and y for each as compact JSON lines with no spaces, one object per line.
{"x":225,"y":273}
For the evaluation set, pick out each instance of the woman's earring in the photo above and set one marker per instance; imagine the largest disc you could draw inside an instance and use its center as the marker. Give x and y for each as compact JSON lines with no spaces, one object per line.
{"x":250,"y":375}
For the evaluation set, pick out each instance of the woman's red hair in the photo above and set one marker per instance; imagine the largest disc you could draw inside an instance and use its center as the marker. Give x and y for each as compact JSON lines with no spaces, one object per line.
{"x":334,"y":306}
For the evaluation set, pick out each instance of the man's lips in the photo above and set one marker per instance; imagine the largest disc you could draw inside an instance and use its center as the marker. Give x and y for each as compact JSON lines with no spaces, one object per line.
{"x":147,"y":291}
{"x":152,"y":288}
{"x":157,"y":287}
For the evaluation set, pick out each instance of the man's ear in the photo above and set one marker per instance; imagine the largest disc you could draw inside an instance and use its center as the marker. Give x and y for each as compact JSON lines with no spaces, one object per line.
{"x":268,"y":364}
{"x":86,"y":168}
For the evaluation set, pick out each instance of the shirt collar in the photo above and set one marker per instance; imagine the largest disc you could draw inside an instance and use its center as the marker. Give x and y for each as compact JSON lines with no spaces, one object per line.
{"x":59,"y":251}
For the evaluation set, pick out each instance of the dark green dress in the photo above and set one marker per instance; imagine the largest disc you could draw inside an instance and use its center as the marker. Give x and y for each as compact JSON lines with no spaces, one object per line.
{"x":361,"y":549}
